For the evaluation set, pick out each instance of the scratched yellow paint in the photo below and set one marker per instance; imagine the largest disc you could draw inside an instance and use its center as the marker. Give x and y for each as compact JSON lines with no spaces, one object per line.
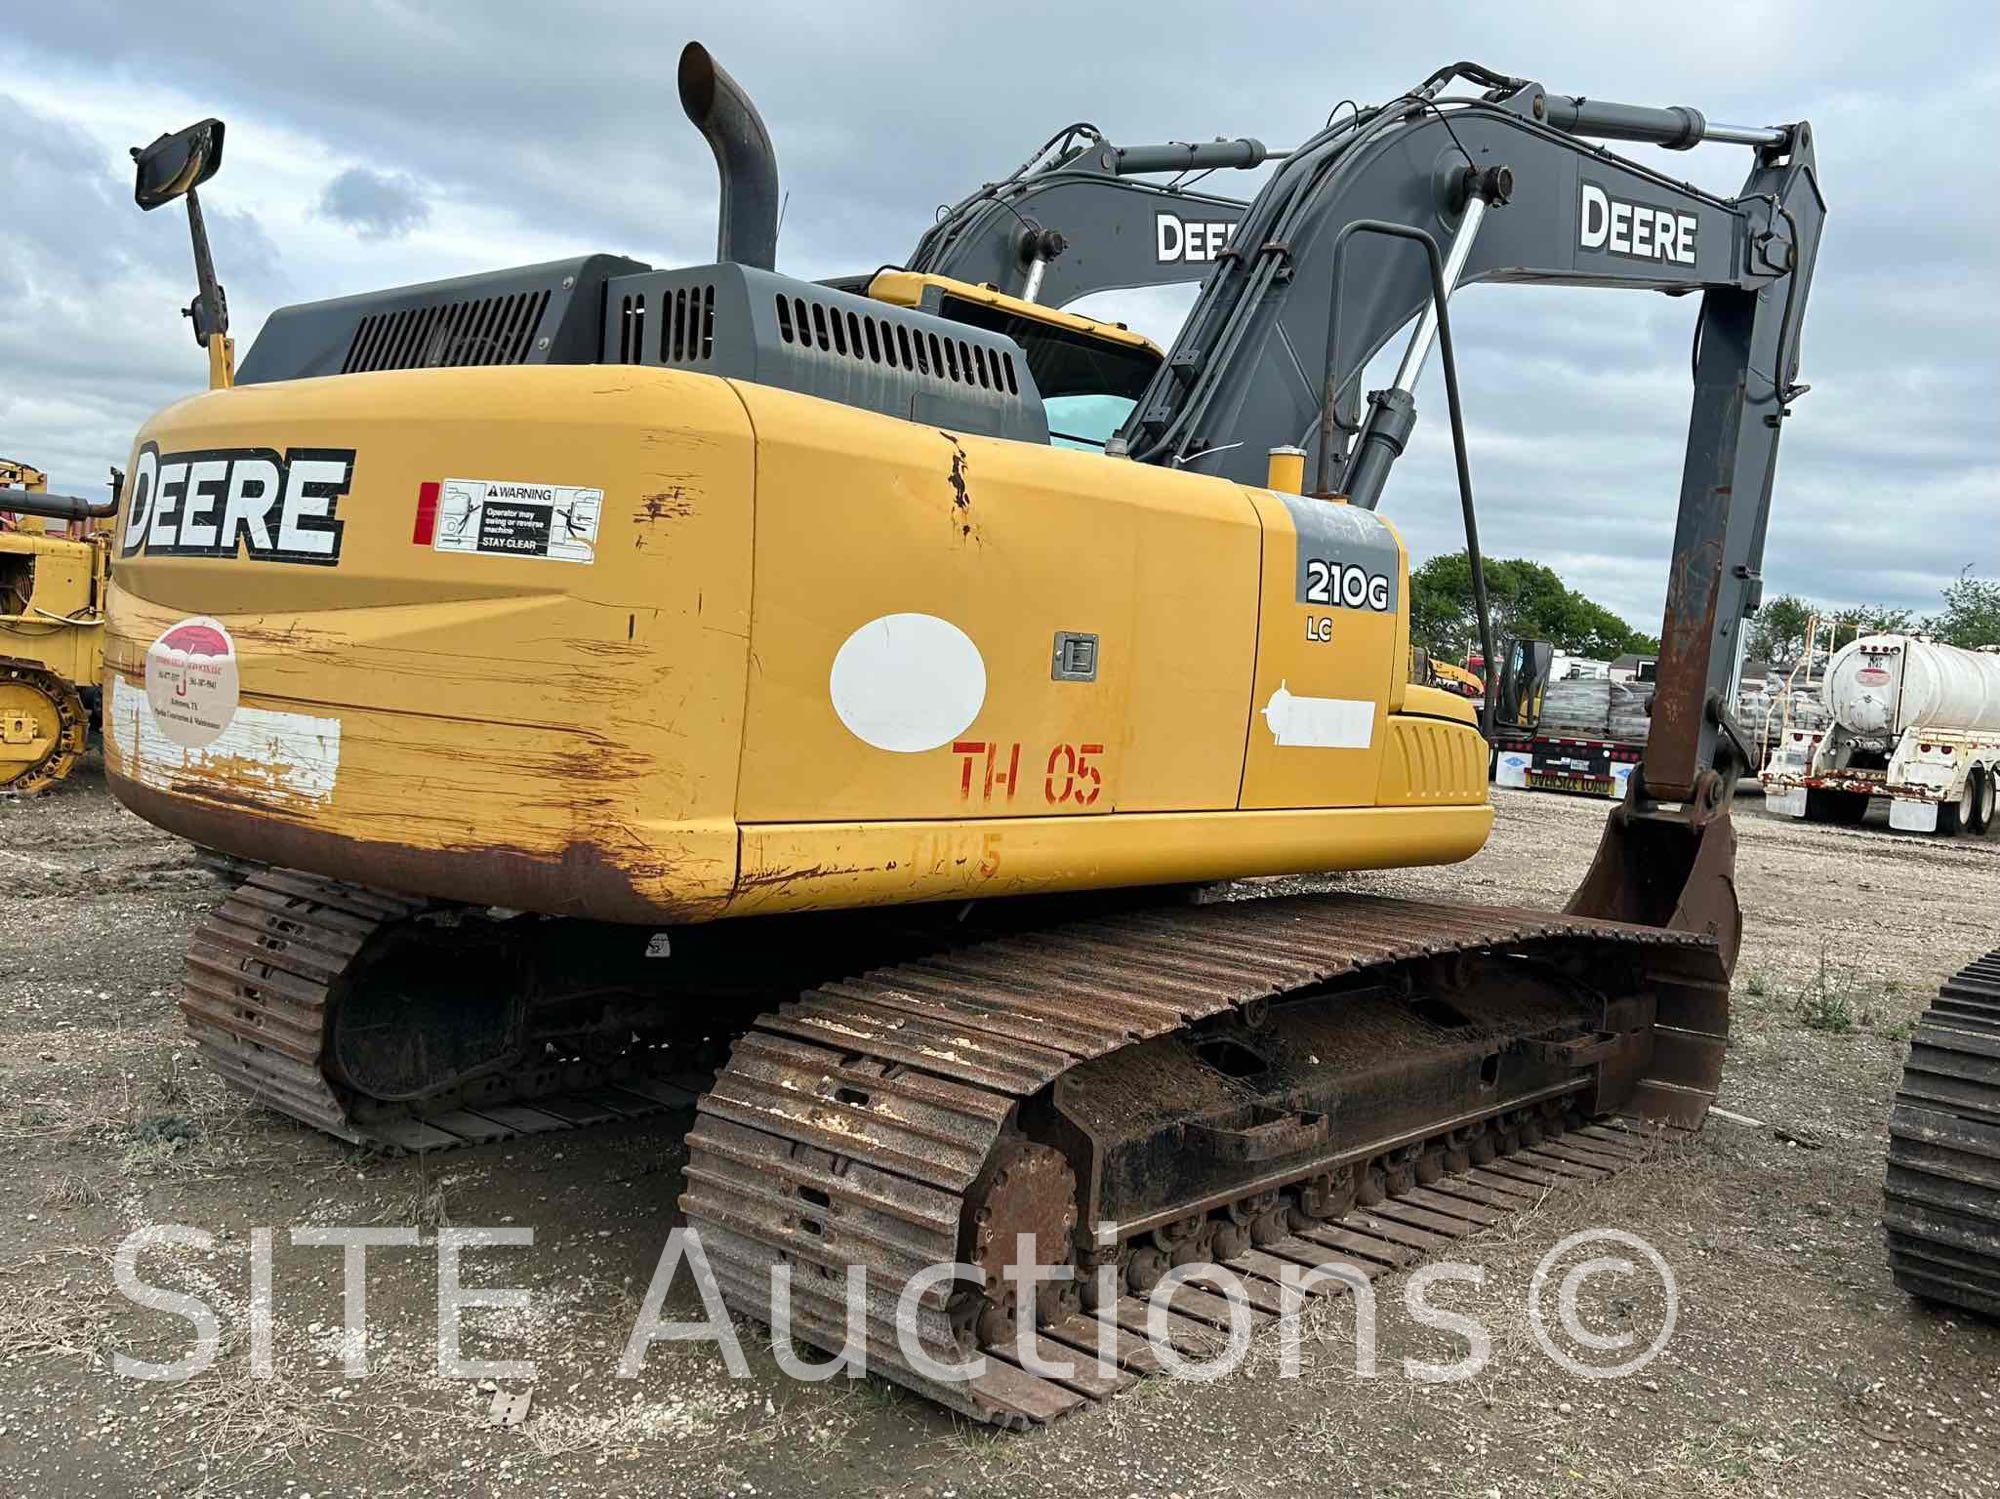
{"x":882,"y":863}
{"x":665,"y":712}
{"x":550,"y":709}
{"x":862,"y":516}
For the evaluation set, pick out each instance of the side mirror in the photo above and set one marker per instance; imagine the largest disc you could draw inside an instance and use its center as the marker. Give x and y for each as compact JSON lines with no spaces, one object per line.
{"x":175,"y":165}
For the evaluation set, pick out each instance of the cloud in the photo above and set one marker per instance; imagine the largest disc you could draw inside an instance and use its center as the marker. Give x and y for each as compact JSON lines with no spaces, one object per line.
{"x":528,"y":132}
{"x":376,"y":205}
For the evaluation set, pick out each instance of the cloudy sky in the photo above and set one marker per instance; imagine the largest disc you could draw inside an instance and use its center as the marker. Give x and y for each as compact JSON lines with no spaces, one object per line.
{"x":376,"y":142}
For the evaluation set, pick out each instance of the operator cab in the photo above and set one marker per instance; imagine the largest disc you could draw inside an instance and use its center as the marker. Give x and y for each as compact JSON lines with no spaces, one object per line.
{"x":1089,"y":373}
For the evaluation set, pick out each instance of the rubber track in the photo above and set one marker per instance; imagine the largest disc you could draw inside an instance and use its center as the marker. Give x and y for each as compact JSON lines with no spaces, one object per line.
{"x":260,"y":971}
{"x":849,"y":1128}
{"x":1941,"y":1206}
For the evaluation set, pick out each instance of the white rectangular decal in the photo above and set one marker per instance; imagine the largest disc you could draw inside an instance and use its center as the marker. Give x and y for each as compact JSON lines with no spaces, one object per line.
{"x":499,"y":518}
{"x":279,"y":759}
{"x":1320,"y":722}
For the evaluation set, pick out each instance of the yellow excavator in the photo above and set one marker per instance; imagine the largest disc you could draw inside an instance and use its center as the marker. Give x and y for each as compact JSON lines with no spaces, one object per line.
{"x":831,"y":705}
{"x":1454,"y":678}
{"x":55,"y":555}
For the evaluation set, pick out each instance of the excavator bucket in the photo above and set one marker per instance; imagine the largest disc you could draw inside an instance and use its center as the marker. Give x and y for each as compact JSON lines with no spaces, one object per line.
{"x":1672,"y":868}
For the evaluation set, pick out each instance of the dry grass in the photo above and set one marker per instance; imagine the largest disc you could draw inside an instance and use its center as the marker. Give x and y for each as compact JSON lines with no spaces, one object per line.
{"x":70,"y":1190}
{"x":36,"y":1325}
{"x":428,"y":1204}
{"x":230,"y":1427}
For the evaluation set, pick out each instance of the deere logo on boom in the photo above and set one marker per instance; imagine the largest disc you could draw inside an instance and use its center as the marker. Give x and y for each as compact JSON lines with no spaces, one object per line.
{"x":219,"y":502}
{"x":1636,"y":229}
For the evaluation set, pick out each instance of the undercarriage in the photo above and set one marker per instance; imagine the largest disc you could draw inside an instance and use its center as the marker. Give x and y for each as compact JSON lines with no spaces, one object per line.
{"x":1245,"y":1083}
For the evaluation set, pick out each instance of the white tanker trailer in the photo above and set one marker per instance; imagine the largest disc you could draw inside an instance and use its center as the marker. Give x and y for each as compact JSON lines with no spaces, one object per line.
{"x":1913,"y":721}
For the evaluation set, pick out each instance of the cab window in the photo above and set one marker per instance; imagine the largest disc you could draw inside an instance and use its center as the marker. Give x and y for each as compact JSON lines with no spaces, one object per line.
{"x":1088,"y":385}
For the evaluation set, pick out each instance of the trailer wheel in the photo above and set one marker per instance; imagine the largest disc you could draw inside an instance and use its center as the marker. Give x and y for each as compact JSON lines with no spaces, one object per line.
{"x":1981,"y":789}
{"x":1959,"y":816}
{"x":1842,"y":808}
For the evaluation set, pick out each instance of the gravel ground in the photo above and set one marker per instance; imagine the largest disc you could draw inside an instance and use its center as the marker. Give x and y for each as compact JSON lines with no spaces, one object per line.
{"x":1795,"y":1368}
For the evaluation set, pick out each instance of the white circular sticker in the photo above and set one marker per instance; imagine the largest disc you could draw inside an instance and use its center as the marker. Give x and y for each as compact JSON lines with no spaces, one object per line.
{"x":191,"y":681}
{"x":908,"y":682}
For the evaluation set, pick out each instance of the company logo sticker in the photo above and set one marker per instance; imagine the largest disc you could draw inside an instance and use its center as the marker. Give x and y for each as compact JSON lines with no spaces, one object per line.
{"x":1190,"y":241}
{"x":191,"y":682}
{"x":1637,"y":230}
{"x":226,"y":502}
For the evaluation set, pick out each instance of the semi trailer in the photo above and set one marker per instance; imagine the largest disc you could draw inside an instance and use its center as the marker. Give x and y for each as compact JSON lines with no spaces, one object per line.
{"x":1909,"y":719}
{"x":1588,"y":735}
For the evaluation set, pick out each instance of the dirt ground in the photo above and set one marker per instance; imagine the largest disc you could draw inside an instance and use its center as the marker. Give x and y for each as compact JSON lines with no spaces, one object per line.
{"x":1795,"y":1367}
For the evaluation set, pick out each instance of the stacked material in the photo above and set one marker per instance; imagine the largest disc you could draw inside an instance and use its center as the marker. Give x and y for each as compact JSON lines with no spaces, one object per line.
{"x":1587,"y":708}
{"x":1764,"y":715}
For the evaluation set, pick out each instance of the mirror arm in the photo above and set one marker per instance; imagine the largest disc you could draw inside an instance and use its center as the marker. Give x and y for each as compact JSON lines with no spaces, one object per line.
{"x":209,"y":310}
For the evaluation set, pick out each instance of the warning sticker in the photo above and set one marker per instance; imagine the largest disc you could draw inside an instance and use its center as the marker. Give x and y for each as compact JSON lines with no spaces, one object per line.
{"x":191,"y":681}
{"x":504,"y":519}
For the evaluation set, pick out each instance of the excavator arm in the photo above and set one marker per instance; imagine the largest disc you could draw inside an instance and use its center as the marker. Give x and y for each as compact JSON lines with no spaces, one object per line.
{"x":1320,"y":273}
{"x":1077,"y":217}
{"x":1307,"y":283}
{"x":1508,"y":186}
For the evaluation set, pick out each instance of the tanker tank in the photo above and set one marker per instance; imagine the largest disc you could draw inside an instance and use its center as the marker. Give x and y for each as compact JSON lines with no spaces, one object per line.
{"x":1882,"y":685}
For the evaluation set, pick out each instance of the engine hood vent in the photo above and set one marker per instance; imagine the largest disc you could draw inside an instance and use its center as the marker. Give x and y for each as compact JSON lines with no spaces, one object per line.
{"x":486,"y":330}
{"x":537,"y":314}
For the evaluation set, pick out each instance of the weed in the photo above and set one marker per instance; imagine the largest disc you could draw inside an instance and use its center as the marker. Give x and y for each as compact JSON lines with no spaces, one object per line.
{"x":159,"y":1143}
{"x":1828,"y":1000}
{"x":71,"y":1191}
{"x":170,"y":1077}
{"x":427,"y":1207}
{"x":175,"y":1130}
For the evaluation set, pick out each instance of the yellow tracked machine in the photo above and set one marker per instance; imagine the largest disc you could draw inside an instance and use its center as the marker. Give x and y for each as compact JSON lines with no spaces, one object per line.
{"x":827,"y":703}
{"x":53,"y":579}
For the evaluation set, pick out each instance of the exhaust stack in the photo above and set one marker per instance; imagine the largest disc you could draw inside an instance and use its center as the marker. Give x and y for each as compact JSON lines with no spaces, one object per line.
{"x":721,"y":111}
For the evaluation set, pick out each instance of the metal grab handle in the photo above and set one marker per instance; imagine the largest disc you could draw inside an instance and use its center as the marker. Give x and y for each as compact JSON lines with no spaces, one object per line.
{"x":1266,"y":1141}
{"x":1375,"y":466}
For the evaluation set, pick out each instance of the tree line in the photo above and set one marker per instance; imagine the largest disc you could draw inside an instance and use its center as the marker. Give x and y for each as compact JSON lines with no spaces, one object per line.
{"x":1970,"y":618}
{"x":1526,"y":599}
